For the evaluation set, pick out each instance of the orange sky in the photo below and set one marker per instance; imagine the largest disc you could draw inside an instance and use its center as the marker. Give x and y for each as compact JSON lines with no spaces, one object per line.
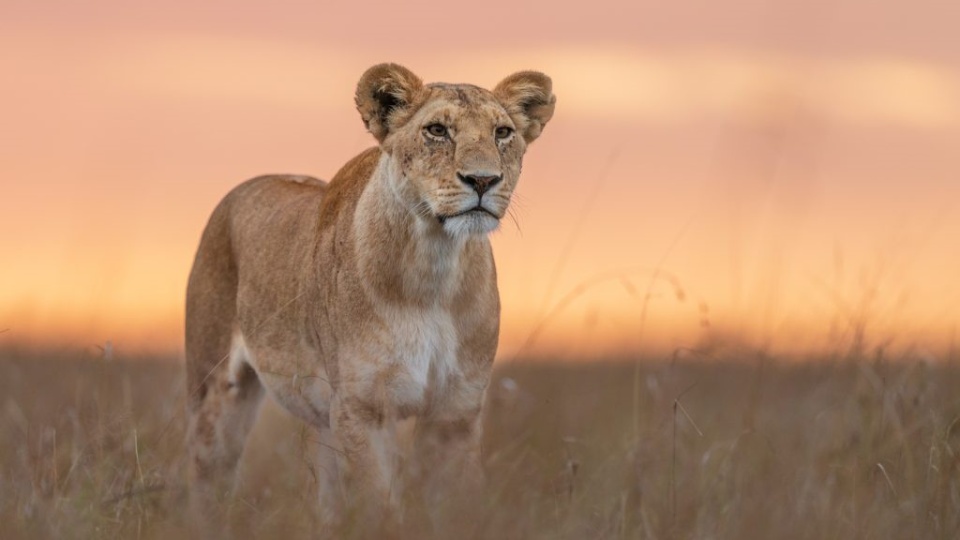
{"x":794,"y":169}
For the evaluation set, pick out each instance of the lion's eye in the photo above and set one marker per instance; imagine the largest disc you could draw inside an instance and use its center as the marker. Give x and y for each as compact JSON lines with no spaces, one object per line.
{"x":437,"y":130}
{"x":503,"y":132}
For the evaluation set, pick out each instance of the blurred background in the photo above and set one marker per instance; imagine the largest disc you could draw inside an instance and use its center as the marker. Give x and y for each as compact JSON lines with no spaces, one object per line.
{"x":777,"y":175}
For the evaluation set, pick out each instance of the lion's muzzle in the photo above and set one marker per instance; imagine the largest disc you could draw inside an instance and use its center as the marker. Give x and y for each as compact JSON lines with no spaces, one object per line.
{"x":480,"y":182}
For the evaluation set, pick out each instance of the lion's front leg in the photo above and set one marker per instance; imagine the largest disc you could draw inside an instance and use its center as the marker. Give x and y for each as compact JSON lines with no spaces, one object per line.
{"x":367,"y":457}
{"x":449,"y":456}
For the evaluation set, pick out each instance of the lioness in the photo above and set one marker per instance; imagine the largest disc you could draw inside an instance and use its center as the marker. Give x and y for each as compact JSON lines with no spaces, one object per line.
{"x":366,"y":300}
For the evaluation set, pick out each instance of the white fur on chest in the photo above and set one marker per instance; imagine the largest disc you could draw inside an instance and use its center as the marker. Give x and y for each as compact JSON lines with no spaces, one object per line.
{"x":424,"y":344}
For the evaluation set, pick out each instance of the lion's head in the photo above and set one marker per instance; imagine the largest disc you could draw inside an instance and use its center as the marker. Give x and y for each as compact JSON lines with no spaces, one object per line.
{"x":456,"y":149}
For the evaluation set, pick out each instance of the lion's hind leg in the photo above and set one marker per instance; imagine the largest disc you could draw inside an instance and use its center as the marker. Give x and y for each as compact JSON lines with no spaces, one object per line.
{"x":220,"y":418}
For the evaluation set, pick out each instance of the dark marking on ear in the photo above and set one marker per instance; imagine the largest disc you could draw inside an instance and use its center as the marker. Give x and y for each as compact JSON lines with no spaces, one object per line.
{"x":529,"y":100}
{"x":388,"y":103}
{"x":385,"y":97}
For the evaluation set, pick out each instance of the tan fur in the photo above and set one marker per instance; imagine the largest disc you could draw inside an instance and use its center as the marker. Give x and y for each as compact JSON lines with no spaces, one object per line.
{"x":366,"y":300}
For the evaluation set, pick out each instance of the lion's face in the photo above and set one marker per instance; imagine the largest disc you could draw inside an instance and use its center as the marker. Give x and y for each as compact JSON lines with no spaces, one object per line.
{"x":459,"y":158}
{"x":457,"y":150}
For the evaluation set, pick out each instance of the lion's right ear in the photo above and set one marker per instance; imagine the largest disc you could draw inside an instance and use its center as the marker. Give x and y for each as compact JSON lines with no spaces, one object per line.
{"x":385,"y":92}
{"x":529,"y":100}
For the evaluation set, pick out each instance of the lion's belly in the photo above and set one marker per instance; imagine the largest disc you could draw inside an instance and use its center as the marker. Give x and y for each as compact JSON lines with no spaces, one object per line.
{"x":306,"y":396}
{"x":294,"y":379}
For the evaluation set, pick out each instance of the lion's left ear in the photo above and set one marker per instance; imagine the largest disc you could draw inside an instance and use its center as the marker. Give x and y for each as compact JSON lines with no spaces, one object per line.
{"x":528,"y":98}
{"x":385,"y":92}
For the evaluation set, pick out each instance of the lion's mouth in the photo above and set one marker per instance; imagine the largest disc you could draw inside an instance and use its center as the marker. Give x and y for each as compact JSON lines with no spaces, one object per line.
{"x":476,"y":209}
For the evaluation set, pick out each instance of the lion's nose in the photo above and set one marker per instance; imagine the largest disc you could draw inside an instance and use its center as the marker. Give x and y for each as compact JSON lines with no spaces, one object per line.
{"x":480,"y":183}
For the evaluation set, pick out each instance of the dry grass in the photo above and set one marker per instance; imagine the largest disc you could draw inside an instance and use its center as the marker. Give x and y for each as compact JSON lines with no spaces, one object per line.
{"x":708,"y":449}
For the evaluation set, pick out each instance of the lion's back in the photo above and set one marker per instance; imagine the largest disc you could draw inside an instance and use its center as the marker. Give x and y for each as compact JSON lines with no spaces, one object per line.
{"x":256,"y":238}
{"x":259,"y":238}
{"x":273,"y":222}
{"x":273,"y":208}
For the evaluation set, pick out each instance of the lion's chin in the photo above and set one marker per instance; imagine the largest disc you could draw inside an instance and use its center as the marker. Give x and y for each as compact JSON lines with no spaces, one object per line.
{"x":475,"y":222}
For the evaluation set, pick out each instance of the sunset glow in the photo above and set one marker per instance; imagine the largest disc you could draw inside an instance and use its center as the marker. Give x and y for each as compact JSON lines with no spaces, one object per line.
{"x":779,"y":188}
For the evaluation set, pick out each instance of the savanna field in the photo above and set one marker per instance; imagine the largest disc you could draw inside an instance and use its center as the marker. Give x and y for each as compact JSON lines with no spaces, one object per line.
{"x":728,"y":276}
{"x":694,"y":446}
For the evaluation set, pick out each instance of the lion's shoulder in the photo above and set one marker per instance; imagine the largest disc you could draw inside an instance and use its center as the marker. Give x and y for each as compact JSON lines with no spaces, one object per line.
{"x":346,"y":186}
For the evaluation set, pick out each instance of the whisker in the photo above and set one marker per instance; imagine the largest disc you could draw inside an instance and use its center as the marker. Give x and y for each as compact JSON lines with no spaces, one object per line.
{"x":515,"y":219}
{"x":422,"y":209}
